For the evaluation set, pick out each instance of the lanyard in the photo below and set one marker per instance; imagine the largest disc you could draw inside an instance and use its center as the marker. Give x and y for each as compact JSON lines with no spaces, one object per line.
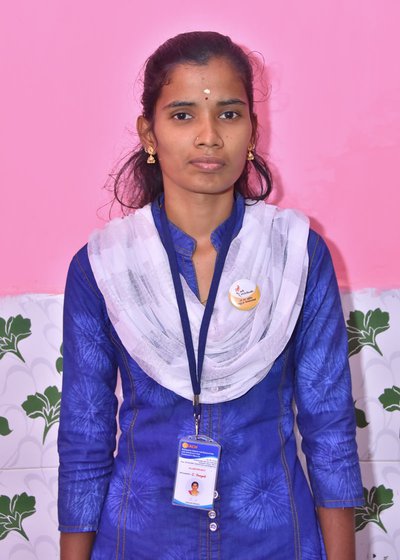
{"x":196,"y":369}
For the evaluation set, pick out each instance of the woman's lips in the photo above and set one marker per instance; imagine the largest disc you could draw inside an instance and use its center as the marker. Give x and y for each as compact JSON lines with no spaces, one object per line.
{"x":207,"y":163}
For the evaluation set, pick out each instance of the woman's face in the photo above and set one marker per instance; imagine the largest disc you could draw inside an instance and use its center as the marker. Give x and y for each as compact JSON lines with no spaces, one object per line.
{"x":202,"y":128}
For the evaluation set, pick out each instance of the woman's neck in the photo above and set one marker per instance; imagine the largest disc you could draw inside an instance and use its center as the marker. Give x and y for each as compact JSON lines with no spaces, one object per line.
{"x":198,"y":214}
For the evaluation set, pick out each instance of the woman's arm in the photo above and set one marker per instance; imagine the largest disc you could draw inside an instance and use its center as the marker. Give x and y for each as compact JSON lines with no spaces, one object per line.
{"x":76,"y":546}
{"x":87,"y":431}
{"x":326,"y":417}
{"x":338,"y":530}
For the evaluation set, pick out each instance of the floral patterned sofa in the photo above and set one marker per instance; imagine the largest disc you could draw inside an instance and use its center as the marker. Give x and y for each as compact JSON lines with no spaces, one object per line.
{"x":30,"y":385}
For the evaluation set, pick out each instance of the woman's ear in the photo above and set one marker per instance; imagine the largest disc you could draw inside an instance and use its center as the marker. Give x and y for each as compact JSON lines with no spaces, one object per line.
{"x":145,"y":133}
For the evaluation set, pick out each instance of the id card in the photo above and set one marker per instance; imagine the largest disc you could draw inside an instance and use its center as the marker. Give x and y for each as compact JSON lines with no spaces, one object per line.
{"x":196,"y":472}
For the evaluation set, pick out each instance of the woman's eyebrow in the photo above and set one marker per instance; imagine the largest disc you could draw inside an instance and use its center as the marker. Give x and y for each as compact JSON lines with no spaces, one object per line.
{"x":175,"y":104}
{"x":222,"y":103}
{"x":233,"y":101}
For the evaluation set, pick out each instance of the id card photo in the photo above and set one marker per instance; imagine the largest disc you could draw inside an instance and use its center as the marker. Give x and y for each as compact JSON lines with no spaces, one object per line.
{"x":196,"y":473}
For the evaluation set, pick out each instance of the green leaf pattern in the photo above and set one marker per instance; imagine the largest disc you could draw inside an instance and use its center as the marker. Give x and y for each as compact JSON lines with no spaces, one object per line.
{"x":13,"y":512}
{"x":12,"y":332}
{"x":362,"y":330}
{"x":377,"y":499}
{"x":46,"y":406}
{"x":361,"y":419}
{"x":59,"y":361}
{"x":4,"y":427}
{"x":390,"y":399}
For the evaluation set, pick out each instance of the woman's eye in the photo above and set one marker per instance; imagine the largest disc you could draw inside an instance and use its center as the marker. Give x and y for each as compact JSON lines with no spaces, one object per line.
{"x":182,"y":116}
{"x":229,"y":115}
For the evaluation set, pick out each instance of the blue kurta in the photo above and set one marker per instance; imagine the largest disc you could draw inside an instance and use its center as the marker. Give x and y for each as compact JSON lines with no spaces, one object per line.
{"x":264,"y":508}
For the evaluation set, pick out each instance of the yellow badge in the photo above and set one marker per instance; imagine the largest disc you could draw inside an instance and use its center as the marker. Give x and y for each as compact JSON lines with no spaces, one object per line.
{"x":244,"y":294}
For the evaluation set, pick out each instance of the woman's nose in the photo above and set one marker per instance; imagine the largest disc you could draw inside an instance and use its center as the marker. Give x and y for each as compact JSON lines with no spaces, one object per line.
{"x":208,"y":134}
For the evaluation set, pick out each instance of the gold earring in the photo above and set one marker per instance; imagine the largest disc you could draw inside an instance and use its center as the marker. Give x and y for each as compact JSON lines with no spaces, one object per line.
{"x":250,"y":155}
{"x":151,"y":159}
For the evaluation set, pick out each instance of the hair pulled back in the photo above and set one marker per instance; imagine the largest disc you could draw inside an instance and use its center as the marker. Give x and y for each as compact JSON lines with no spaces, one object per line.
{"x":137,"y":183}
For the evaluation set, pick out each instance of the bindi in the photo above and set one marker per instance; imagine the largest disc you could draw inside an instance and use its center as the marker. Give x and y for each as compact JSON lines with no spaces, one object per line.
{"x":207,"y":91}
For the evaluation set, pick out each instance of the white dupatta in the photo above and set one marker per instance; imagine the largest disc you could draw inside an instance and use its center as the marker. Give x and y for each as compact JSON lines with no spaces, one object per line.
{"x":131,"y":268}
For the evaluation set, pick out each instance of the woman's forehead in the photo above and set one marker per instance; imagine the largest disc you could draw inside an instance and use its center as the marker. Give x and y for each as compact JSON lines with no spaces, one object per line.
{"x":217,"y":77}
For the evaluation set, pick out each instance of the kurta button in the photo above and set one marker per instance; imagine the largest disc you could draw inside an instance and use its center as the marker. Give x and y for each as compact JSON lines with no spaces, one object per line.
{"x":212,"y":514}
{"x":213,"y":527}
{"x":216,"y":495}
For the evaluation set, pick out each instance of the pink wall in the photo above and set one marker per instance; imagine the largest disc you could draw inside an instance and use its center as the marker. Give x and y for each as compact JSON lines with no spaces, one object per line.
{"x":68,"y":71}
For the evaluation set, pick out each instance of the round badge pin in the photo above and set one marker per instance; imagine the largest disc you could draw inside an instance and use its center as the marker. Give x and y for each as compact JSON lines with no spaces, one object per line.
{"x":244,"y":294}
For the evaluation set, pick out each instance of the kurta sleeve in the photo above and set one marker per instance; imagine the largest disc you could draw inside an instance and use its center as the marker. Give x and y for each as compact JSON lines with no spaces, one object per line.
{"x":87,"y":432}
{"x":326,"y":416}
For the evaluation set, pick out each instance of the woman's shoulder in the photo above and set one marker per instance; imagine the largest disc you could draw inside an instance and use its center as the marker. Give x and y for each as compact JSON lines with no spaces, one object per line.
{"x":290,"y":218}
{"x":318,"y":250}
{"x":80,"y":260}
{"x":120,"y":229}
{"x":80,"y":272}
{"x":314,"y":239}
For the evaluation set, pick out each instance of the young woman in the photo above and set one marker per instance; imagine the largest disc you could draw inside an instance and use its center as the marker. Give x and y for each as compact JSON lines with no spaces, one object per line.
{"x":218,"y":310}
{"x":194,"y":489}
